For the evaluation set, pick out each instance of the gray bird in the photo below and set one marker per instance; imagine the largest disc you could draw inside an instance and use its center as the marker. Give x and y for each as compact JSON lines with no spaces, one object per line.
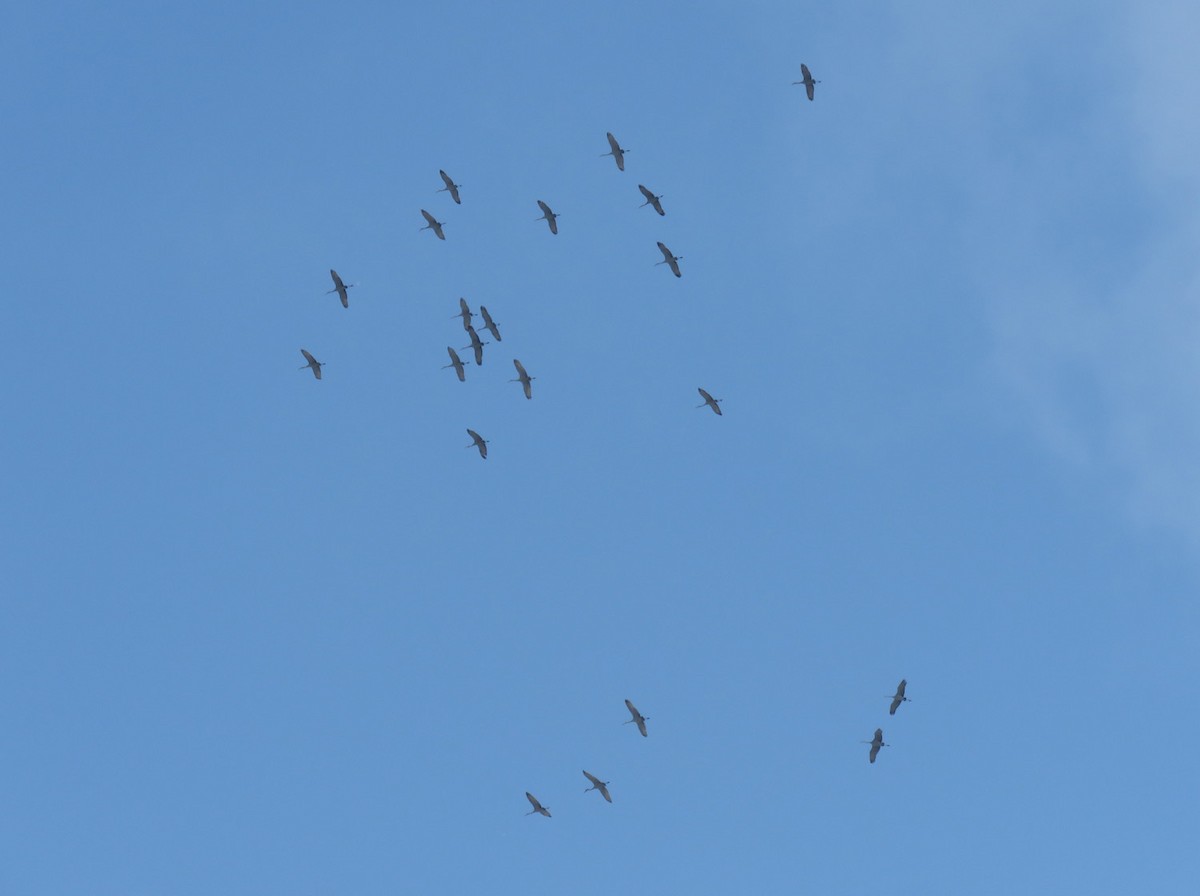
{"x":899,"y":697}
{"x":464,"y":312}
{"x":537,"y":807}
{"x":638,"y":718}
{"x":434,"y":224}
{"x":651,"y":200}
{"x":597,"y":784}
{"x":490,"y":324}
{"x":478,"y":441}
{"x":876,"y":743}
{"x":476,"y":345}
{"x":551,"y":218}
{"x":313,"y":363}
{"x":340,"y":288}
{"x":710,"y":402}
{"x":451,"y":187}
{"x":457,"y":364}
{"x":523,"y":378}
{"x":669,"y":259}
{"x":808,"y":81}
{"x":617,"y":153}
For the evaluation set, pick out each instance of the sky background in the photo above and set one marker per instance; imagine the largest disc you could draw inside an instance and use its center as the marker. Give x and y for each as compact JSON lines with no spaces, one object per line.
{"x":262,"y":634}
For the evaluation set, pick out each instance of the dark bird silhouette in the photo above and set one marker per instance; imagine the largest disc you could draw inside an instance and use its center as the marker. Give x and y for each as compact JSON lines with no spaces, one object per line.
{"x":451,"y":187}
{"x":465,"y":313}
{"x":457,"y":364}
{"x":638,"y":718}
{"x":478,"y":441}
{"x":523,"y":378}
{"x":551,"y":218}
{"x":616,"y":152}
{"x":899,"y":697}
{"x":434,"y":224}
{"x":669,"y":259}
{"x":876,"y":743}
{"x":476,"y":345}
{"x":710,"y":402}
{"x":490,"y":324}
{"x":340,"y":288}
{"x":313,"y":363}
{"x":808,"y":81}
{"x":651,"y":200}
{"x":597,"y":784}
{"x":537,"y":807}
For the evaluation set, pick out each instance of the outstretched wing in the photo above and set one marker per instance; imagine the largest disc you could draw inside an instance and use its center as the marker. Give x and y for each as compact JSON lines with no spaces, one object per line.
{"x":529,"y":796}
{"x":592,"y":778}
{"x":667,"y":256}
{"x":808,"y":80}
{"x":430,"y":219}
{"x":451,"y":186}
{"x":604,"y":792}
{"x":896,"y":701}
{"x":618,"y":153}
{"x":524,"y":376}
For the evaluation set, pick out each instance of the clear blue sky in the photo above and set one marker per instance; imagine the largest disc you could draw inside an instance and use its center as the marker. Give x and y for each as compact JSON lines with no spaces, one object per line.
{"x":263,"y":634}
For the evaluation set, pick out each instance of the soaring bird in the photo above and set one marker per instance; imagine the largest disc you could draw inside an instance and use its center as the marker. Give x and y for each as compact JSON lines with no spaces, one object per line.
{"x":312,"y":362}
{"x":711,"y":402}
{"x":523,"y":378}
{"x":899,"y":697}
{"x":669,"y":259}
{"x":876,"y":743}
{"x":434,"y":224}
{"x":597,"y":784}
{"x":490,"y":324}
{"x":464,"y":312}
{"x":537,"y":807}
{"x":476,"y":344}
{"x":638,"y":718}
{"x":457,"y":364}
{"x":340,"y":288}
{"x":651,"y":200}
{"x":551,"y":218}
{"x":478,"y":441}
{"x":451,"y":187}
{"x":617,"y":153}
{"x":808,"y":81}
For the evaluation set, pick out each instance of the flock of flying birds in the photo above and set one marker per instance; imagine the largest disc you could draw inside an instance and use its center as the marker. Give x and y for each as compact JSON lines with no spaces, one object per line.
{"x":476,"y":345}
{"x":551,"y":219}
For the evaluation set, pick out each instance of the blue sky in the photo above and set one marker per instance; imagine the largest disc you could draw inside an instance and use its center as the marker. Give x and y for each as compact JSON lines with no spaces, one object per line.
{"x":264,"y":634}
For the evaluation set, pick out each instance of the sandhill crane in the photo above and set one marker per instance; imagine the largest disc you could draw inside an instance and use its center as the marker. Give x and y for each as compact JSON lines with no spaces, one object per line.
{"x":617,"y":153}
{"x":451,"y":187}
{"x":457,"y":364}
{"x":537,"y":807}
{"x":597,"y":784}
{"x":669,"y":259}
{"x":478,"y":441}
{"x":340,"y":288}
{"x":808,"y":81}
{"x":710,"y":402}
{"x":651,"y":200}
{"x":637,"y":718}
{"x":490,"y":324}
{"x":312,"y":363}
{"x":434,"y":224}
{"x":899,"y":697}
{"x":876,"y":743}
{"x":551,"y":218}
{"x":464,"y":312}
{"x":476,"y":344}
{"x":523,"y":378}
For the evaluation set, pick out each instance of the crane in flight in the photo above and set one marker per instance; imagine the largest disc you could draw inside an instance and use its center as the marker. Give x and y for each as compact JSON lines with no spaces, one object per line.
{"x":651,"y":200}
{"x":457,"y":364}
{"x":434,"y":224}
{"x":669,"y":259}
{"x":340,"y":288}
{"x":876,"y":742}
{"x":313,"y":363}
{"x":476,"y":345}
{"x":710,"y":402}
{"x":478,"y":441}
{"x":899,"y":697}
{"x":551,"y":218}
{"x":523,"y":378}
{"x":451,"y":187}
{"x":638,"y":718}
{"x":616,"y":152}
{"x":808,"y":81}
{"x":537,"y":807}
{"x":490,"y":324}
{"x":464,"y":311}
{"x":597,"y":784}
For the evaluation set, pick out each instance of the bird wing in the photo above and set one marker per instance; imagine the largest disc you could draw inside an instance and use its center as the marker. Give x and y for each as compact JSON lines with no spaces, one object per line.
{"x":545,"y":208}
{"x":632,"y":709}
{"x":478,"y":346}
{"x":553,"y":226}
{"x":593,"y":778}
{"x":523,"y":375}
{"x":674,"y":266}
{"x":874,"y":751}
{"x":528,"y":387}
{"x":666,"y":253}
{"x":649,"y":196}
{"x":807,"y":75}
{"x":428,"y":217}
{"x":604,"y":792}
{"x":529,"y":796}
{"x":657,"y":206}
{"x":896,"y":701}
{"x":446,"y":179}
{"x":612,"y":142}
{"x":641,"y":723}
{"x":487,"y":318}
{"x":705,"y":395}
{"x":337,"y":281}
{"x":900,"y":689}
{"x":453,"y":356}
{"x":464,"y":308}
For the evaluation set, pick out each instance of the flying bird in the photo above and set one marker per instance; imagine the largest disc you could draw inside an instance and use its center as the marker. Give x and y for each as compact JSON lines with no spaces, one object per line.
{"x":476,"y":344}
{"x":617,"y":153}
{"x":340,"y":288}
{"x":637,"y":718}
{"x":551,"y":218}
{"x":490,"y":324}
{"x":808,"y":81}
{"x":669,"y":259}
{"x":451,"y":187}
{"x":478,"y":441}
{"x":597,"y":784}
{"x":312,"y":363}
{"x":876,"y":743}
{"x":457,"y":364}
{"x":899,"y":697}
{"x":651,"y":200}
{"x":537,"y":807}
{"x":523,"y":378}
{"x":434,"y":224}
{"x":465,"y":313}
{"x":711,"y":402}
